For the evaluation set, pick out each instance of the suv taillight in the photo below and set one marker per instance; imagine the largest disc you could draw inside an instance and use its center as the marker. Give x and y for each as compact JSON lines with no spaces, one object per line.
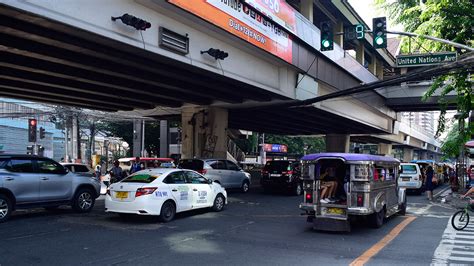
{"x":287,"y":172}
{"x":144,"y":191}
{"x":202,"y":171}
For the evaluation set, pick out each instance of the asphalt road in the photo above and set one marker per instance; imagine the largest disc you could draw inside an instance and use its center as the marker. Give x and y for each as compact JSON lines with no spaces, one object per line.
{"x":254,"y":229}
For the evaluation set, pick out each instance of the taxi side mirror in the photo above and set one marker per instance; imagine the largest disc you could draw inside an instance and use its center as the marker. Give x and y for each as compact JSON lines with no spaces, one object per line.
{"x":209,"y":181}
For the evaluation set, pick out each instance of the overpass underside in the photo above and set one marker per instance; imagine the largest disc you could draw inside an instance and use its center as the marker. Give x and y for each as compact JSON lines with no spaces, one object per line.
{"x":47,"y":61}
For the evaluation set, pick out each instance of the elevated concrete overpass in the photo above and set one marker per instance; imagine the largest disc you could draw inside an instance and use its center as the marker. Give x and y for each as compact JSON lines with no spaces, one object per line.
{"x":76,"y":55}
{"x":408,"y":97}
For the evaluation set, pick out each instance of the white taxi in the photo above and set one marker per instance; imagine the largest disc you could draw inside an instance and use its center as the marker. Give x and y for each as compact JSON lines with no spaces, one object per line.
{"x":411,"y":177}
{"x":164,"y":192}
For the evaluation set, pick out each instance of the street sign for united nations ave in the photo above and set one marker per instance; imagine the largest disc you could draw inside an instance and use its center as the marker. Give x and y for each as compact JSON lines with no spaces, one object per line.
{"x":425,"y":59}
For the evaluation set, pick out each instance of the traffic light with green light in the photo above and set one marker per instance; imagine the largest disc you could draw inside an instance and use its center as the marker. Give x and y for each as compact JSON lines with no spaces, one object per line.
{"x":379,"y":27}
{"x":327,"y":36}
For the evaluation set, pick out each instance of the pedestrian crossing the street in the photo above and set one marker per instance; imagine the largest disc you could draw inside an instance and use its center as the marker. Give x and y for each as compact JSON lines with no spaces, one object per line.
{"x":455,"y":247}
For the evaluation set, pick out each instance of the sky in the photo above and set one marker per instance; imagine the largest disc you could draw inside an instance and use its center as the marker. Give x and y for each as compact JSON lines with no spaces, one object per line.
{"x":367,"y":11}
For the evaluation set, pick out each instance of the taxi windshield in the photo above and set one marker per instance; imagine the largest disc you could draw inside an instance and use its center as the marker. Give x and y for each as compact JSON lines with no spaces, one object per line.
{"x":141,"y":178}
{"x":409,"y":168}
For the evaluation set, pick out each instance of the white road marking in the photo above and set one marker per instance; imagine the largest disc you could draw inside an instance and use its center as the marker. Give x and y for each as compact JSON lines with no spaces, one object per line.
{"x":455,"y":247}
{"x":462,"y":259}
{"x":469,"y":253}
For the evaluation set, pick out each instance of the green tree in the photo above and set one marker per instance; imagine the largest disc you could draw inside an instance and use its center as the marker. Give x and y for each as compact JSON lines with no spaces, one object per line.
{"x":124,"y":130}
{"x":453,"y":142}
{"x":446,"y":19}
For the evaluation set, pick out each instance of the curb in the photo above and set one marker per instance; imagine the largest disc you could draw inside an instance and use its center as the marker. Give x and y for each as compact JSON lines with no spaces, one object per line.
{"x":440,"y":192}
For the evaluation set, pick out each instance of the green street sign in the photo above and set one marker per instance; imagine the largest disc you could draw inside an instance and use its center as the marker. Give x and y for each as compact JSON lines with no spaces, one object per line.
{"x":425,"y":59}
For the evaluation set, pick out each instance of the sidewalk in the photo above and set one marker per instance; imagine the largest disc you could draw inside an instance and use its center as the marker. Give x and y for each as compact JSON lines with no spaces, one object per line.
{"x":452,"y":198}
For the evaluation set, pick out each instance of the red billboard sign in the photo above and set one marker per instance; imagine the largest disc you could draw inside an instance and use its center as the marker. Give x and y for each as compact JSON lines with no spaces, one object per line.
{"x":240,"y":19}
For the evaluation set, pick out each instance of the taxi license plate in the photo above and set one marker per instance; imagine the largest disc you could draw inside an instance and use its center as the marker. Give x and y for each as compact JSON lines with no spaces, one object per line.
{"x":121,"y":194}
{"x":337,"y":211}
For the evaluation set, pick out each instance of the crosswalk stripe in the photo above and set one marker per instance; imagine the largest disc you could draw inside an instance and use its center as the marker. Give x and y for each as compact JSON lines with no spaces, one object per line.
{"x":459,"y":241}
{"x":461,"y":259}
{"x":455,"y":247}
{"x":469,"y":253}
{"x":465,"y":233}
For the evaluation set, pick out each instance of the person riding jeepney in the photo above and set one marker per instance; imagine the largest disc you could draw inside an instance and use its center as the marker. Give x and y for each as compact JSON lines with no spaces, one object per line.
{"x":328,"y":185}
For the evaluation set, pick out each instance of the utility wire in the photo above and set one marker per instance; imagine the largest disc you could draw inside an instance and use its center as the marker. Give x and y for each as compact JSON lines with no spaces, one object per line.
{"x":465,"y":63}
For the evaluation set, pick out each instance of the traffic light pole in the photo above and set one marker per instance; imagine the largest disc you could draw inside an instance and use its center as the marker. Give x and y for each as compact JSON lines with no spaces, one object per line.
{"x":454,"y":44}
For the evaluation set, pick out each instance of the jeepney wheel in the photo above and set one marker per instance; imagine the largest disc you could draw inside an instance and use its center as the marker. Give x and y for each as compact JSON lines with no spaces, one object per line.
{"x":377,"y":218}
{"x":403,"y":207}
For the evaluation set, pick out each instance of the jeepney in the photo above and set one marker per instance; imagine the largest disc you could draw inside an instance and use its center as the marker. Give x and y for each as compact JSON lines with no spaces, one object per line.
{"x":366,"y":187}
{"x":437,"y":169}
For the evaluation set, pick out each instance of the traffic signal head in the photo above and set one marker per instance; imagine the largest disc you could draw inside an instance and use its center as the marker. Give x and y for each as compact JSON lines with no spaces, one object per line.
{"x":42,"y":132}
{"x":32,"y":130}
{"x":379,"y":26}
{"x":327,"y":37}
{"x":216,"y":53}
{"x":133,"y":21}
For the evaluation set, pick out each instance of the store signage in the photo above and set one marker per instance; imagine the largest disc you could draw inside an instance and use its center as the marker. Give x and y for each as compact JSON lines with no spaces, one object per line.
{"x":240,"y":19}
{"x":425,"y":59}
{"x":275,"y":148}
{"x":279,"y":11}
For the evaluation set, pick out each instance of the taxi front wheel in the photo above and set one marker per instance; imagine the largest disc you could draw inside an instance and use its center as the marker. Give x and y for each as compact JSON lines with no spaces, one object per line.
{"x":168,"y":210}
{"x":219,"y":203}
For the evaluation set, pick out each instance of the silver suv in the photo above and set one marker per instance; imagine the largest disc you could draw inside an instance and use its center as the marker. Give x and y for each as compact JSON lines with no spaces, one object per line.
{"x":28,"y":181}
{"x":224,"y":172}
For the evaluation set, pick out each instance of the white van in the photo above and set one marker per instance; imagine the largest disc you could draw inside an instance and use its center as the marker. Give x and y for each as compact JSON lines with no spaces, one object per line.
{"x":411,"y":177}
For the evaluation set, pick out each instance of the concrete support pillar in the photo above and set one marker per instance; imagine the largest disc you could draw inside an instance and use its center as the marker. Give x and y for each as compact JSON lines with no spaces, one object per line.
{"x":164,"y":138}
{"x":339,"y":27}
{"x":138,"y":137}
{"x":307,"y":9}
{"x":407,"y":154}
{"x":337,"y":143}
{"x":384,"y":149}
{"x":360,"y":53}
{"x":204,"y":133}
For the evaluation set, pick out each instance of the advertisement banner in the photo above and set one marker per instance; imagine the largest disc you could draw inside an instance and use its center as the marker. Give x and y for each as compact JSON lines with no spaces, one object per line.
{"x":275,"y":148}
{"x":238,"y":18}
{"x":277,"y":10}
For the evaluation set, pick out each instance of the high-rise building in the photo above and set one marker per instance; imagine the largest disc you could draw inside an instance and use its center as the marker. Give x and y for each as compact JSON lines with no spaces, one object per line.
{"x":421,"y":120}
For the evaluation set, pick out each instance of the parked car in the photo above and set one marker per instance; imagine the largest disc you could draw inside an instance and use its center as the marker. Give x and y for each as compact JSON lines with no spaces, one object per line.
{"x":282,"y":174}
{"x":222,"y":171}
{"x":164,"y":192}
{"x":411,"y":177}
{"x":28,"y":181}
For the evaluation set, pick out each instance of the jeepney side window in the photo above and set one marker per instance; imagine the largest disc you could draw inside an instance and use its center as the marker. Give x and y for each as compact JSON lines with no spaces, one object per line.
{"x":391,"y":174}
{"x":379,"y":174}
{"x":359,"y":171}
